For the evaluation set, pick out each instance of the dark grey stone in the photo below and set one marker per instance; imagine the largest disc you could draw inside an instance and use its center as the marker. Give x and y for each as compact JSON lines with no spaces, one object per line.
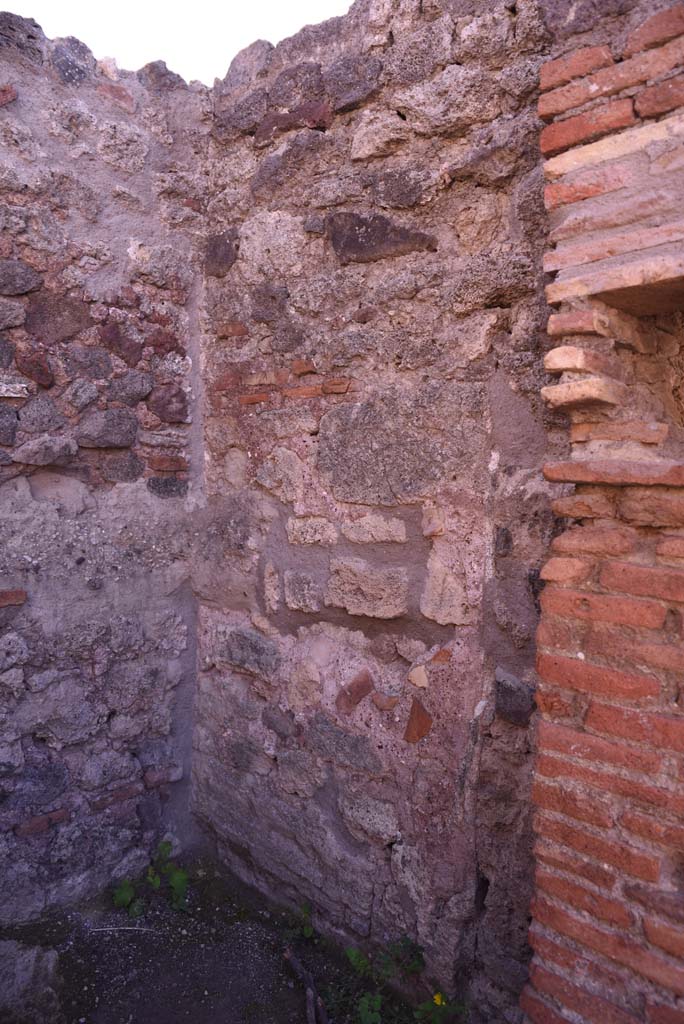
{"x":358,"y":239}
{"x":113,"y":428}
{"x":8,"y":424}
{"x":282,"y":723}
{"x":72,"y":60}
{"x":221,"y":252}
{"x":12,"y":314}
{"x":300,"y":83}
{"x":351,"y":80}
{"x":167,"y":486}
{"x":269,"y":302}
{"x":131,"y":388}
{"x":87,"y":361}
{"x":170,"y":403}
{"x":514,"y":699}
{"x":6,"y":353}
{"x":334,"y":744}
{"x":122,"y":467}
{"x":53,"y":318}
{"x":40,"y":415}
{"x":18,"y":278}
{"x":250,"y":652}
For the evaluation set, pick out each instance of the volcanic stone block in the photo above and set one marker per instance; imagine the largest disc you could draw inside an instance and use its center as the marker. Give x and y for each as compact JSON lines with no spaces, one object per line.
{"x":249,"y":651}
{"x":351,"y":80}
{"x":514,"y":700}
{"x":113,"y":428}
{"x":12,"y":314}
{"x":18,"y":278}
{"x":8,"y":424}
{"x":221,"y":252}
{"x":53,"y":318}
{"x":364,"y":590}
{"x":170,"y":403}
{"x":358,"y":239}
{"x":302,"y":592}
{"x":46,"y":451}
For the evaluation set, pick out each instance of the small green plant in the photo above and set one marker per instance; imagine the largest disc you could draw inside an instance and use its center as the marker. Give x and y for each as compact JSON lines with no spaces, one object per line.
{"x":403,"y":958}
{"x":127,"y":895}
{"x":369,"y":1007}
{"x":359,"y":961}
{"x":438,"y":1010}
{"x":301,"y":925}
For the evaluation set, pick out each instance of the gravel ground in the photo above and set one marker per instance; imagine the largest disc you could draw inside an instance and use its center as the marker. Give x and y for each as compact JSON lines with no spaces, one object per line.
{"x":219,"y":962}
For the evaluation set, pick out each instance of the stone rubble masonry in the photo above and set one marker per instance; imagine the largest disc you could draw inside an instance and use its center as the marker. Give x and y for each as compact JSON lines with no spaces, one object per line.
{"x":271,"y":438}
{"x":608,"y":915}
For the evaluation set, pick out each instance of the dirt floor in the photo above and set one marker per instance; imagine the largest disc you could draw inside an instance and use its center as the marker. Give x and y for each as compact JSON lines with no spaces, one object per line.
{"x":218,"y":961}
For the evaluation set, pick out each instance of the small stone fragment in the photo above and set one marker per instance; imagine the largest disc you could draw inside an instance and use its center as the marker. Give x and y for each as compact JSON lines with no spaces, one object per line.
{"x":221,"y":252}
{"x":384,"y":702}
{"x":419,"y":677}
{"x":358,"y":239}
{"x":419,"y":723}
{"x":514,"y":700}
{"x":354,"y":692}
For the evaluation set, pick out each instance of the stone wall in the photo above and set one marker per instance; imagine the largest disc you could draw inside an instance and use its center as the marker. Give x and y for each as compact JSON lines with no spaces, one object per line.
{"x":97,"y":621}
{"x":372,"y":323}
{"x":271,"y":442}
{"x":609,"y":905}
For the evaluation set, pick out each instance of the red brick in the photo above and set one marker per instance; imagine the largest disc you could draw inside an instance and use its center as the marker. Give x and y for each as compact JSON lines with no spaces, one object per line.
{"x":12,"y":597}
{"x":40,"y":823}
{"x":537,"y":1010}
{"x":593,"y":504}
{"x":621,"y":949}
{"x":603,"y":909}
{"x":573,"y":674}
{"x":642,"y":581}
{"x":300,"y":367}
{"x":562,"y":800}
{"x":167,"y":463}
{"x":604,"y":782}
{"x":630,"y":430}
{"x":653,"y":829}
{"x":638,"y":726}
{"x":232,"y":329}
{"x":587,"y":185}
{"x":117,"y":796}
{"x":609,"y":81}
{"x":575,"y":131}
{"x":656,"y":30}
{"x":336,"y":386}
{"x":596,"y":540}
{"x":255,"y":399}
{"x":585,"y":967}
{"x":579,"y":322}
{"x":557,"y":705}
{"x":619,"y":472}
{"x":573,"y":743}
{"x":573,"y":65}
{"x":8,"y":94}
{"x":659,"y":901}
{"x":566,"y":570}
{"x":652,"y":506}
{"x":665,"y":937}
{"x":670,"y":548}
{"x":613,"y":644}
{"x":562,"y":634}
{"x":566,"y":860}
{"x":592,"y":1009}
{"x":304,"y":391}
{"x":658,"y":99}
{"x":626,"y":859}
{"x":620,"y":611}
{"x":658,"y":1014}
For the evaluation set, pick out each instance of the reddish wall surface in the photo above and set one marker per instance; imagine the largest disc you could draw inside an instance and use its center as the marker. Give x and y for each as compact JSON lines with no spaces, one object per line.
{"x":608,"y":931}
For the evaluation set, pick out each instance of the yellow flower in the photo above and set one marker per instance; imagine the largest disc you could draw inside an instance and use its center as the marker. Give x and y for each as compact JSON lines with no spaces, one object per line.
{"x":438,"y":999}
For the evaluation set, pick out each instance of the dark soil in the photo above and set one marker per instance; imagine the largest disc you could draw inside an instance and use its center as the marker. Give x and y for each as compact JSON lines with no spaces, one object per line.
{"x":218,"y":962}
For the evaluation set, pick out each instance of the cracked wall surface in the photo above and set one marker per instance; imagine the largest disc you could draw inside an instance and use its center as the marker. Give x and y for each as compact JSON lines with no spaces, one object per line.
{"x":270,"y":450}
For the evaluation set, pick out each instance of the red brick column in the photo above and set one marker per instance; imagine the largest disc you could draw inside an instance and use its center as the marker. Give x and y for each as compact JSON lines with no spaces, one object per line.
{"x":608,"y":915}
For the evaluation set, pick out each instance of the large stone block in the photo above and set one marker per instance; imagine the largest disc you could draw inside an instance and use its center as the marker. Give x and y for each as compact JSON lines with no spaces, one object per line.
{"x":362,"y":589}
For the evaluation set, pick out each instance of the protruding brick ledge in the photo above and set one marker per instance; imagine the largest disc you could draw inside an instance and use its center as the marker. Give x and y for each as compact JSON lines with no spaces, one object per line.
{"x":616,"y":472}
